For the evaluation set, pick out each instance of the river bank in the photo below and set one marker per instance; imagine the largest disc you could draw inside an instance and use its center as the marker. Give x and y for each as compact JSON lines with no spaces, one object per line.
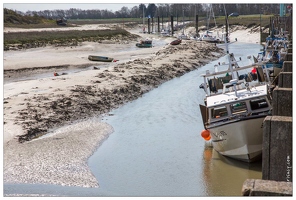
{"x":36,"y":107}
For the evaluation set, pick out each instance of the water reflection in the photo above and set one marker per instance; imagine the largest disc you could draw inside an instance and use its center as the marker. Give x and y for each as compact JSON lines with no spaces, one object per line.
{"x":225,"y":176}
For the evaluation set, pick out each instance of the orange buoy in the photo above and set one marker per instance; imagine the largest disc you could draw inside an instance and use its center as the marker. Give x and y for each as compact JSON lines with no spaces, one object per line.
{"x":206,"y":135}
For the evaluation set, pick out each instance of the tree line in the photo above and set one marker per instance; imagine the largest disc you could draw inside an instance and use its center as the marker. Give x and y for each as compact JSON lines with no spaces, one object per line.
{"x":161,"y":10}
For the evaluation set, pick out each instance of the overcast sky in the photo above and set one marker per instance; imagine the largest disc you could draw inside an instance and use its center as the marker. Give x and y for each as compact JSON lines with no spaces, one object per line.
{"x":65,"y":6}
{"x":113,"y":5}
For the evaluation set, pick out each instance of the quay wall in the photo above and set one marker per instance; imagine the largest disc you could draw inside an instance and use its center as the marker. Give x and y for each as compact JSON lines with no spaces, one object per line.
{"x":277,"y":169}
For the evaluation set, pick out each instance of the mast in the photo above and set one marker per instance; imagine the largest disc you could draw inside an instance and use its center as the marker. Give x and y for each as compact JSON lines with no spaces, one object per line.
{"x":208,"y":20}
{"x":226,"y":23}
{"x":183,"y":20}
{"x":143,"y":19}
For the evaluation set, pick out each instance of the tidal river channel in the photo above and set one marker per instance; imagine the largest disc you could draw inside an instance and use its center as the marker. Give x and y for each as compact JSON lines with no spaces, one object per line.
{"x":156,"y":148}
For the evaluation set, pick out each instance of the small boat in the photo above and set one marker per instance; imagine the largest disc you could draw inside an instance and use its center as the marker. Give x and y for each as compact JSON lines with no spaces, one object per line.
{"x":176,"y":42}
{"x":234,"y":109}
{"x":207,"y":36}
{"x":183,"y":37}
{"x":144,"y":44}
{"x":165,"y":33}
{"x":100,"y":58}
{"x":61,"y":22}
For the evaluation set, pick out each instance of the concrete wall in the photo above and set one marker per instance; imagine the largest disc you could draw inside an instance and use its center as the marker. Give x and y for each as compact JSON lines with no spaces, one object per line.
{"x":278,"y":129}
{"x":277,"y":145}
{"x":257,"y":187}
{"x":282,"y":101}
{"x":277,"y":149}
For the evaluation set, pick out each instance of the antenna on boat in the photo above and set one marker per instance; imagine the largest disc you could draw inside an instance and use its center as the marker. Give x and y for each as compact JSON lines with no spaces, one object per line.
{"x":233,"y":81}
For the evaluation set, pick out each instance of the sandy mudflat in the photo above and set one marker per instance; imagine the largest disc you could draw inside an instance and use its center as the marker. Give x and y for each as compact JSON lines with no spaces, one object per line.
{"x":54,"y":106}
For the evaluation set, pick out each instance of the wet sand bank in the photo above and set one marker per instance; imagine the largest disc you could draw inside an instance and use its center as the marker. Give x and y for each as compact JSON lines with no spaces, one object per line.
{"x":37,"y":107}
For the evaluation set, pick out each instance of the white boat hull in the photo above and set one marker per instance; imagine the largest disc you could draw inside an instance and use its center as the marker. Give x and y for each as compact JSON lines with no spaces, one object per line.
{"x":240,"y":140}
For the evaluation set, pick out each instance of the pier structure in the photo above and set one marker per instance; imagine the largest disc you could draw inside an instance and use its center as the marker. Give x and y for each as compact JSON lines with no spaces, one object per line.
{"x":277,"y":169}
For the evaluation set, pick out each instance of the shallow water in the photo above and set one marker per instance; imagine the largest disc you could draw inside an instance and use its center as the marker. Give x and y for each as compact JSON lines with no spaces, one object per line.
{"x":156,"y":148}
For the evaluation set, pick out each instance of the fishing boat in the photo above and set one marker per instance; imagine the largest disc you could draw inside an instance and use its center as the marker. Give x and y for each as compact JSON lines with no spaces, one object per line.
{"x":144,"y":44}
{"x":100,"y":58}
{"x":236,"y":103}
{"x":274,"y":53}
{"x":176,"y":42}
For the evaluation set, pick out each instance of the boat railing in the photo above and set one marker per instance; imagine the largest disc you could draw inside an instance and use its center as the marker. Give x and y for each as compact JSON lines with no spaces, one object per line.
{"x":260,"y":63}
{"x":215,"y":84}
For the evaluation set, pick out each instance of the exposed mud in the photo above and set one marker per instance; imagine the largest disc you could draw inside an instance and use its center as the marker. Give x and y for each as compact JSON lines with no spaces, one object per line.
{"x":47,"y":111}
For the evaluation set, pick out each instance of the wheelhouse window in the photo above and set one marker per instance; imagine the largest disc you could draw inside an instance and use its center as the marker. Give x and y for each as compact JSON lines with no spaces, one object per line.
{"x":220,"y":111}
{"x":239,"y":107}
{"x":258,"y":104}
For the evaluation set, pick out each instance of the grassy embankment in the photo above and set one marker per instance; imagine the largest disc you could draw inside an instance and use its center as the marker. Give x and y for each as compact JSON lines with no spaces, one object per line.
{"x":71,"y":37}
{"x":66,"y":37}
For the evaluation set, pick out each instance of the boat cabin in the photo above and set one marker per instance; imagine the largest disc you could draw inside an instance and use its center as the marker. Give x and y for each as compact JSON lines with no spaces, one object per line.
{"x":146,"y":42}
{"x":230,"y":107}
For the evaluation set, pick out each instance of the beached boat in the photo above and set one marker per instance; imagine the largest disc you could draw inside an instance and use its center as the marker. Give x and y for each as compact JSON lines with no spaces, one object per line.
{"x":236,"y":104}
{"x":176,"y":42}
{"x":62,"y":21}
{"x":183,"y":37}
{"x":100,"y":58}
{"x":207,"y":36}
{"x":165,"y":33}
{"x":144,"y":44}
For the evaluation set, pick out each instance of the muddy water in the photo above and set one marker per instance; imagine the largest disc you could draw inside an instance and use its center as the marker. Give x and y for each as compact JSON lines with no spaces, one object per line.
{"x":156,"y":148}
